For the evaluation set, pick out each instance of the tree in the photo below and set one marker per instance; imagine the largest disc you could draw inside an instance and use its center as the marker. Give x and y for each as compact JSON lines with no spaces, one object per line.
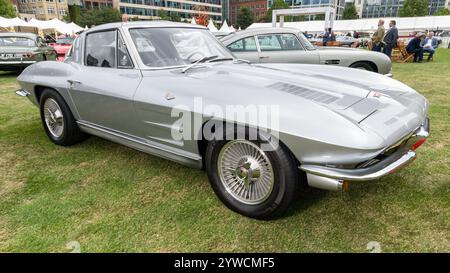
{"x":74,"y":12}
{"x":92,"y":17}
{"x":277,"y":4}
{"x":350,"y":12}
{"x":319,"y":17}
{"x":7,"y":9}
{"x":244,"y":18}
{"x":442,"y":12}
{"x":413,"y":8}
{"x":175,"y":17}
{"x":163,"y":15}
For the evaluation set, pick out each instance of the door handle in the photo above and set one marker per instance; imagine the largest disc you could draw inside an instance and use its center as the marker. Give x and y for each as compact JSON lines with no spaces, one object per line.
{"x":264,"y":57}
{"x":72,"y":82}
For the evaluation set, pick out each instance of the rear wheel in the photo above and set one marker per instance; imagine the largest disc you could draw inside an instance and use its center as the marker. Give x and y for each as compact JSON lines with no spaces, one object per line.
{"x":256,"y":183}
{"x":363,"y":66}
{"x":58,"y":121}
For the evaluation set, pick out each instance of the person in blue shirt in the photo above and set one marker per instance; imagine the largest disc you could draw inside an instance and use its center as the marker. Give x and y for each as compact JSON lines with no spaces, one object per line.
{"x":415,"y":47}
{"x":429,"y":45}
{"x":326,"y":36}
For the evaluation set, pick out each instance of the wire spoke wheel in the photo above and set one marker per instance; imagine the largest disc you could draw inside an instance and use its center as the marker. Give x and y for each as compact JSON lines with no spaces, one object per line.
{"x":246,"y":172}
{"x":53,"y":117}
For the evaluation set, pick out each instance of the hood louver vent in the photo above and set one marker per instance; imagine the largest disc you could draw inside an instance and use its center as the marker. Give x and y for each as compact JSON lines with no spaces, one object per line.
{"x":303,"y":92}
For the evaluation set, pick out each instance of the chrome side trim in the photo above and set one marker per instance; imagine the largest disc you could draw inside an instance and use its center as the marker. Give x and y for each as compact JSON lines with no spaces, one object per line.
{"x":385,"y":167}
{"x":146,"y":146}
{"x":22,"y":93}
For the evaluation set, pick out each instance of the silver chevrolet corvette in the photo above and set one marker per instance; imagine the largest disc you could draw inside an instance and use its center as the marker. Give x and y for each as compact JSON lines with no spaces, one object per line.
{"x":289,"y":45}
{"x":168,"y":88}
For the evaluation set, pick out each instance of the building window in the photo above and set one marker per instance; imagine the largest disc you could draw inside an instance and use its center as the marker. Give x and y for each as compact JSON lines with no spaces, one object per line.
{"x":51,"y":10}
{"x":23,"y":1}
{"x":62,"y":12}
{"x":41,"y":11}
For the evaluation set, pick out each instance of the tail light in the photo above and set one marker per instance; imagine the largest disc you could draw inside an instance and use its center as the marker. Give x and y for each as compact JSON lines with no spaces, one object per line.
{"x":418,"y":144}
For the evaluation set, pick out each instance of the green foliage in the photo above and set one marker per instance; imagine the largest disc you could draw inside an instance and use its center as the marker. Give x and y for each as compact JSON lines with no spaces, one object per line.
{"x":319,"y":17}
{"x":277,"y":4}
{"x":442,"y":12}
{"x":94,"y":17}
{"x":163,"y":15}
{"x":73,"y":13}
{"x":413,"y":8}
{"x":244,"y":18}
{"x":7,"y":9}
{"x":350,"y":12}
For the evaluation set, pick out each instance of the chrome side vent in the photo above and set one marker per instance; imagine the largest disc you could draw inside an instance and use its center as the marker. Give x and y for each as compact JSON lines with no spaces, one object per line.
{"x":303,"y":92}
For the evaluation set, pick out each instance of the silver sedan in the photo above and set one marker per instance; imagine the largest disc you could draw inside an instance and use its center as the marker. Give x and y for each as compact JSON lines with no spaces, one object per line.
{"x":288,"y":45}
{"x":259,"y":131}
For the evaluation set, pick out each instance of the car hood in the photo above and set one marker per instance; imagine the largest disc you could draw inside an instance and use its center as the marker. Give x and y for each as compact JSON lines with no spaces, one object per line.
{"x":17,"y":49}
{"x":326,"y":97}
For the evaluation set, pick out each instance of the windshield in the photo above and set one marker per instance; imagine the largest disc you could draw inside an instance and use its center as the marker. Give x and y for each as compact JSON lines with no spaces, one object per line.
{"x":16,"y":41}
{"x":65,"y":41}
{"x":305,"y":42}
{"x":160,"y":47}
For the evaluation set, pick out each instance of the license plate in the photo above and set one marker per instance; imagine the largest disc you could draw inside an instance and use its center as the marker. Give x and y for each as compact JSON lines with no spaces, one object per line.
{"x":7,"y":56}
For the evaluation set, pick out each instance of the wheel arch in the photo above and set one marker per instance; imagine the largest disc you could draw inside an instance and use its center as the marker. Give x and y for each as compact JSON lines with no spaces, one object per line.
{"x":371,"y":63}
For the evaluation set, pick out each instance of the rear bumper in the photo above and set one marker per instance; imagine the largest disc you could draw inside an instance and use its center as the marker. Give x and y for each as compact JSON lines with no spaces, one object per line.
{"x":402,"y":157}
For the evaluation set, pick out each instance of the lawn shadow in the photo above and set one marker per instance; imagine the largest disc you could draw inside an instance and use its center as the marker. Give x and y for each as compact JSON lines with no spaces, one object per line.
{"x":10,"y":73}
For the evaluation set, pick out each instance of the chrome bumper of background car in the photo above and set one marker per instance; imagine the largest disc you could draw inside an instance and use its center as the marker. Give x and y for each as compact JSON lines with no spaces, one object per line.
{"x":17,"y":62}
{"x":333,"y":178}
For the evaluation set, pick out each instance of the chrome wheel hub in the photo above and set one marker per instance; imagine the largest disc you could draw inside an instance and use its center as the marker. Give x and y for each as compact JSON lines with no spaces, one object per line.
{"x":53,"y":118}
{"x":245,"y":171}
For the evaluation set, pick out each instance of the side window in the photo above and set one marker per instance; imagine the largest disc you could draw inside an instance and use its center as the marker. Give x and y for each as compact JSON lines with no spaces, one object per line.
{"x":124,"y":60}
{"x":278,"y":42}
{"x":243,"y":45}
{"x":100,"y":50}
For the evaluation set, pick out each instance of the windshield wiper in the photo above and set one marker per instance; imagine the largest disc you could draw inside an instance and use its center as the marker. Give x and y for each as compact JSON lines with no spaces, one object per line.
{"x":201,"y":60}
{"x":221,"y":59}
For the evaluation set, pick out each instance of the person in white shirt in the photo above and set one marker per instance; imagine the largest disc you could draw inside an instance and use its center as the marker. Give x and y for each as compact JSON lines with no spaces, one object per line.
{"x":430,"y":45}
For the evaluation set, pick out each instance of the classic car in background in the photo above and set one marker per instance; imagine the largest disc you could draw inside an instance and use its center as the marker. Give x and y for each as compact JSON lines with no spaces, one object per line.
{"x":62,"y":46}
{"x":19,"y":50}
{"x":335,"y":124}
{"x":287,"y":45}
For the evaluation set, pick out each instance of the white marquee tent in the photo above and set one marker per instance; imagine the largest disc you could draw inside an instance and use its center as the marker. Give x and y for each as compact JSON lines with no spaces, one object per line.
{"x":404,"y":24}
{"x":54,"y":25}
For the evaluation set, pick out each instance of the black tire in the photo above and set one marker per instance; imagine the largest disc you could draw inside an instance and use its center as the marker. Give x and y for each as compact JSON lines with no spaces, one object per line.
{"x":285,"y":187}
{"x":363,"y":65}
{"x":71,"y":133}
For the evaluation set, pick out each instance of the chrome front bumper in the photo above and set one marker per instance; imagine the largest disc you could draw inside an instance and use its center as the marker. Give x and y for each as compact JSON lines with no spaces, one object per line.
{"x":402,"y":157}
{"x":17,"y":62}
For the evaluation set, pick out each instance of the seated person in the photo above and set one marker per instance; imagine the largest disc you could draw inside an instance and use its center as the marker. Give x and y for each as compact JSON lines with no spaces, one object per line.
{"x":430,"y":44}
{"x":415,"y":47}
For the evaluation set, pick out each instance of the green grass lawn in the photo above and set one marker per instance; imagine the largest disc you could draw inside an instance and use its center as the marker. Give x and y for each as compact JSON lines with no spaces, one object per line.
{"x":111,"y":198}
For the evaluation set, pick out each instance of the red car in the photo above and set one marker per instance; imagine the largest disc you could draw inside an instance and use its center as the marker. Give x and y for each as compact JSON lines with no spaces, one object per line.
{"x":62,"y":46}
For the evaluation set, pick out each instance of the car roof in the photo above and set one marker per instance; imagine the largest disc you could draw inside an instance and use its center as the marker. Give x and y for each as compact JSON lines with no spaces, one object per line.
{"x":256,"y":31}
{"x":19,"y":34}
{"x":154,"y":23}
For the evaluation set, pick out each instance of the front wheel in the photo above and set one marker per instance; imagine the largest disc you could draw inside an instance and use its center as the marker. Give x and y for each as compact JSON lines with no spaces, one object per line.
{"x":253,"y":182}
{"x":363,"y":66}
{"x":58,"y":121}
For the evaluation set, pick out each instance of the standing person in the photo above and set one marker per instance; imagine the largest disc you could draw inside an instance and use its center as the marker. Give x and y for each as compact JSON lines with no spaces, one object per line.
{"x":377,"y":37}
{"x":429,"y":45}
{"x":326,"y":37}
{"x":332,"y":36}
{"x":415,"y":47}
{"x":390,"y":39}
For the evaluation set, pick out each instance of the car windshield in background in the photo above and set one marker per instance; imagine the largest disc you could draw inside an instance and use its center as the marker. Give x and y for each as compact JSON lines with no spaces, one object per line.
{"x":16,"y":41}
{"x":160,"y":47}
{"x":305,"y":42}
{"x":65,"y":41}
